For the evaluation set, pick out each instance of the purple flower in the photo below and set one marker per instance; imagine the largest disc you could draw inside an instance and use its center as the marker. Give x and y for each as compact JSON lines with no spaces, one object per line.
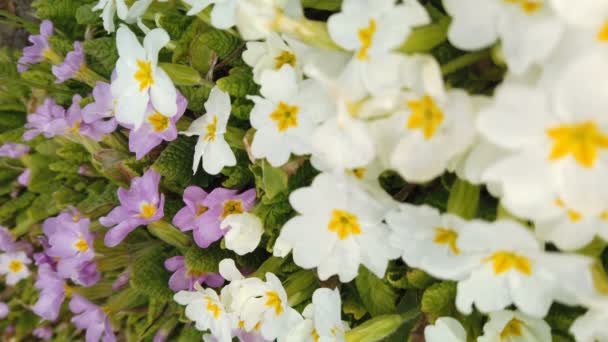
{"x":43,"y":333}
{"x":35,"y":53}
{"x":52,"y":293}
{"x":49,"y":119}
{"x":204,"y":212}
{"x":184,"y":279}
{"x":24,"y":177}
{"x":101,"y":112}
{"x":72,"y":64}
{"x":122,"y":280}
{"x":155,"y":129}
{"x":94,"y":130}
{"x":8,"y":243}
{"x":4,"y":310}
{"x":161,"y":335}
{"x":92,"y":318}
{"x":139,"y":205}
{"x":13,"y":150}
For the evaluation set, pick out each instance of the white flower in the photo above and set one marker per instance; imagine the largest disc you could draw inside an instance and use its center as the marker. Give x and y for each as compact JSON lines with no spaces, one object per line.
{"x":13,"y":265}
{"x":339,"y":227}
{"x":256,"y":19}
{"x":323,"y":319}
{"x":139,"y":79}
{"x":513,"y":269}
{"x":557,"y":142}
{"x":244,"y":232}
{"x":429,"y":240}
{"x":528,"y":29}
{"x":371,"y":29}
{"x":222,"y":15}
{"x":445,"y":329}
{"x":109,"y":7}
{"x":515,"y":326}
{"x":211,"y":127}
{"x":207,"y":311}
{"x":591,"y":326}
{"x":284,"y":118}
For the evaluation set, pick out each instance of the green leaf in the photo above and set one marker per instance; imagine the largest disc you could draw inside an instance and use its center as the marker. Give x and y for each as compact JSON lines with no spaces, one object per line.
{"x":196,"y":97}
{"x":376,"y":295}
{"x":438,"y":300}
{"x":419,"y":279}
{"x":238,"y":83}
{"x":325,"y":5}
{"x":149,"y":276}
{"x":175,"y":163}
{"x":274,"y":180}
{"x":464,"y":199}
{"x":174,"y":22}
{"x":425,"y":38}
{"x":376,"y":329}
{"x":103,"y":54}
{"x":86,"y":16}
{"x":11,"y":207}
{"x":61,"y":12}
{"x":241,"y":108}
{"x":205,"y":260}
{"x":180,"y":74}
{"x":220,"y":41}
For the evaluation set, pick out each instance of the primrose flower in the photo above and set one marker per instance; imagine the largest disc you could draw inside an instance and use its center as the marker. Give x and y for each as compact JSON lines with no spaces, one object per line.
{"x":591,"y":326}
{"x":139,"y":205}
{"x":24,"y":177}
{"x":75,"y":120}
{"x":40,"y":48}
{"x":445,"y":329}
{"x":322,"y":319}
{"x":339,"y":228}
{"x":204,"y":307}
{"x":92,"y":318}
{"x":13,"y":266}
{"x":100,"y":113}
{"x":48,"y":119}
{"x":72,"y":64}
{"x":109,"y":8}
{"x":184,"y":279}
{"x":211,"y":146}
{"x":223,"y":14}
{"x":8,"y":243}
{"x":13,"y":150}
{"x":204,"y":212}
{"x":4,"y":310}
{"x":139,"y":79}
{"x":515,"y":326}
{"x":244,"y":232}
{"x":52,"y":288}
{"x":155,"y":129}
{"x":43,"y":333}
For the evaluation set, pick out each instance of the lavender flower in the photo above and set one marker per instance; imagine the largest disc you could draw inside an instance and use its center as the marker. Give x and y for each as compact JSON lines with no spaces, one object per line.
{"x":139,"y":205}
{"x":184,"y":279}
{"x":43,"y":333}
{"x":72,"y":64}
{"x":92,"y":318}
{"x":204,"y":212}
{"x":37,"y":52}
{"x":13,"y":150}
{"x":122,"y":280}
{"x":94,"y":130}
{"x":24,"y":177}
{"x":49,"y":119}
{"x":155,"y":129}
{"x":52,"y":293}
{"x":101,"y":112}
{"x":8,"y":243}
{"x":4,"y":310}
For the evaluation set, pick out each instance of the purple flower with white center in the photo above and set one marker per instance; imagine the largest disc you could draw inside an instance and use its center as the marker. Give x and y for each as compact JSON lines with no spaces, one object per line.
{"x":24,"y":177}
{"x":52,"y":293}
{"x":13,"y":150}
{"x":139,"y":205}
{"x":4,"y":310}
{"x":94,"y":130}
{"x":155,"y":129}
{"x":49,"y":119}
{"x":101,"y":112}
{"x":36,"y":53}
{"x":92,"y":318}
{"x":184,"y":279}
{"x":43,"y":333}
{"x":204,"y":212}
{"x":72,"y":64}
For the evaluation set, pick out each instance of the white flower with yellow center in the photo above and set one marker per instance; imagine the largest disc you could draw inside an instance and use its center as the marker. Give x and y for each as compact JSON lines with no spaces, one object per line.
{"x":528,"y":30}
{"x":14,"y":266}
{"x":285,"y":117}
{"x":515,"y":326}
{"x":590,"y":16}
{"x":445,"y":329}
{"x":244,"y":232}
{"x":139,"y":79}
{"x":204,"y":307}
{"x":211,"y":146}
{"x":428,"y":240}
{"x":109,"y":8}
{"x":513,"y":269}
{"x":322,"y":319}
{"x":556,"y":142}
{"x":372,"y":29}
{"x":339,"y":228}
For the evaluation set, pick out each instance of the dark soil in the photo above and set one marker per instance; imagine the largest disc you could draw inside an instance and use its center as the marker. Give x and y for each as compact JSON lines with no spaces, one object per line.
{"x":11,"y":36}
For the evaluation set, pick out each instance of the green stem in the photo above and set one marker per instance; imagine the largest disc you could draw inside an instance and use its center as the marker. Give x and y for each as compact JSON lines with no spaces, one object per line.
{"x":89,"y":76}
{"x":464,"y":61}
{"x":464,"y":199}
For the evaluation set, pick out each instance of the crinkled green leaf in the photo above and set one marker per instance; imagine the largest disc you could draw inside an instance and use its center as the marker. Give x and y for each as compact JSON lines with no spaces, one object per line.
{"x":376,"y":295}
{"x":205,"y":260}
{"x":438,"y":300}
{"x":149,"y":276}
{"x":238,"y":83}
{"x":175,"y":163}
{"x":102,"y":54}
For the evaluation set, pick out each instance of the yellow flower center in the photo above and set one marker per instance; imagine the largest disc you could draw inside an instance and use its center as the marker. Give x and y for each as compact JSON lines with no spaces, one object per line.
{"x":582,"y":141}
{"x":274,"y":301}
{"x":76,"y":217}
{"x":315,"y":335}
{"x":513,"y":328}
{"x":241,"y":324}
{"x":503,"y":261}
{"x":200,"y":210}
{"x":232,"y":207}
{"x":528,"y":6}
{"x":211,"y":130}
{"x":359,"y":172}
{"x":602,"y":35}
{"x":76,"y":127}
{"x":604,"y":215}
{"x":447,"y":236}
{"x":285,"y":116}
{"x":147,"y":211}
{"x":425,"y":116}
{"x":572,"y":214}
{"x":213,"y":307}
{"x":344,"y":223}
{"x":285,"y":57}
{"x":69,"y":291}
{"x":158,"y":121}
{"x":15,"y":266}
{"x":143,"y":75}
{"x":81,"y":245}
{"x":366,"y":35}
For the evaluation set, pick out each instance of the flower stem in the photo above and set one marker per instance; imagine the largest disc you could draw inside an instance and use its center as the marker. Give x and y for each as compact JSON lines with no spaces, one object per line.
{"x":464,"y":199}
{"x":464,"y":61}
